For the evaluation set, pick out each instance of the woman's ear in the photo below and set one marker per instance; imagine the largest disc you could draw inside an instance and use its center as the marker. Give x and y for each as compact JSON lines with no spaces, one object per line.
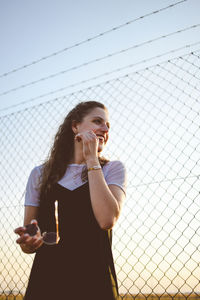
{"x":74,"y":127}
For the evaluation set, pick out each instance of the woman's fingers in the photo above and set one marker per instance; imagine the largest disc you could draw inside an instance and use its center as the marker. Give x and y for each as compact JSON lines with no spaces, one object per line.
{"x":37,"y":243}
{"x":34,"y":222}
{"x":25,"y":229}
{"x":86,"y":135}
{"x":20,"y":230}
{"x":31,"y":243}
{"x":90,"y":143}
{"x":78,"y":137}
{"x":23,"y":239}
{"x":30,"y":238}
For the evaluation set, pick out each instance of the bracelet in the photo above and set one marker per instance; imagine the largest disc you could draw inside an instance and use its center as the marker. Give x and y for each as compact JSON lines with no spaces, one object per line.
{"x":94,"y":168}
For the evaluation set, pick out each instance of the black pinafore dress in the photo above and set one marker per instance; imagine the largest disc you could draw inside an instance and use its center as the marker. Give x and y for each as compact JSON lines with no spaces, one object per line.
{"x":80,"y":266}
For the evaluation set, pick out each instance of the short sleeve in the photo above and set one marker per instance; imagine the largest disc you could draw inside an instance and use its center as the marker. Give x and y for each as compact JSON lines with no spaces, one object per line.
{"x":32,"y":192}
{"x":115,"y":173}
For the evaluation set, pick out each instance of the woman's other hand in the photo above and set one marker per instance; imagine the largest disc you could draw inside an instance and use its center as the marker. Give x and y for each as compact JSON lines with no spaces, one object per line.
{"x":28,"y":243}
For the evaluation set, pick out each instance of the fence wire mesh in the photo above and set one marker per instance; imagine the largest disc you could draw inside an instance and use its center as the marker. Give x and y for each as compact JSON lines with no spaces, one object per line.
{"x":155,"y":124}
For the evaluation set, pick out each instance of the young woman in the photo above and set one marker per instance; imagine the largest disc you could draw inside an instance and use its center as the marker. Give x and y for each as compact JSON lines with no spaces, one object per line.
{"x":89,"y":191}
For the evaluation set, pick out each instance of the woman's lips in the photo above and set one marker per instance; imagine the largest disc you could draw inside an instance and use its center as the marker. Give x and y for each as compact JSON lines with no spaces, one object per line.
{"x":101,"y":138}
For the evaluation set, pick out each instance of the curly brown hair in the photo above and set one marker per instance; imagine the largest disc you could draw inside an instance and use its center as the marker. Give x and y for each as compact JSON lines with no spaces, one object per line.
{"x":62,"y":150}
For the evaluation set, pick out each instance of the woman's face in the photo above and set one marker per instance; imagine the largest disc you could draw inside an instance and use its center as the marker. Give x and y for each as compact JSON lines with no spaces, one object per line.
{"x":97,"y":121}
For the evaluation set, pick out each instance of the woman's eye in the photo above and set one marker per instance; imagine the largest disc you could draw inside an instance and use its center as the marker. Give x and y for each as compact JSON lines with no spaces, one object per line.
{"x":97,"y":121}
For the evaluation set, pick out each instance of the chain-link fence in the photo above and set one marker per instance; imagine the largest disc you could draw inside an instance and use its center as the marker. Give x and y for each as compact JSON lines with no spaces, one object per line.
{"x":155,"y":131}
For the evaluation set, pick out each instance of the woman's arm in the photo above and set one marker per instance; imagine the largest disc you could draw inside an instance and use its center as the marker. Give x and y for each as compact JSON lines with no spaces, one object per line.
{"x":106,"y":200}
{"x":29,"y":244}
{"x":30,"y":213}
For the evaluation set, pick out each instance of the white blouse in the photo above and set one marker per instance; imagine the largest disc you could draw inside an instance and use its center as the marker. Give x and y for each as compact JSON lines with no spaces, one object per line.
{"x":114,"y":173}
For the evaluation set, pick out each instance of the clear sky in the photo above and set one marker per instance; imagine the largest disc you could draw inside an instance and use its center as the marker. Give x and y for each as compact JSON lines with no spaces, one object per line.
{"x":31,"y":30}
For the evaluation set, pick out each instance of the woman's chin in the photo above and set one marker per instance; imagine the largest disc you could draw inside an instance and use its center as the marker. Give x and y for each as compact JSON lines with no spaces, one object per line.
{"x":100,"y":148}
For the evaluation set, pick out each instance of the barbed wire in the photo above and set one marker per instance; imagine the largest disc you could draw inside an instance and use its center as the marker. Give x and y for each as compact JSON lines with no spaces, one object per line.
{"x":99,"y":76}
{"x":97,"y":60}
{"x":90,"y":39}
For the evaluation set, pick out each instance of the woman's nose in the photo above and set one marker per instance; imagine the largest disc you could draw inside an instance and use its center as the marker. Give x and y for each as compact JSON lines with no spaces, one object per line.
{"x":105,"y":128}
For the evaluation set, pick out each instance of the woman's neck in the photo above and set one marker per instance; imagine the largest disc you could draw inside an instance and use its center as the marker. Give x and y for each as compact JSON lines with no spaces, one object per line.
{"x":77,"y":157}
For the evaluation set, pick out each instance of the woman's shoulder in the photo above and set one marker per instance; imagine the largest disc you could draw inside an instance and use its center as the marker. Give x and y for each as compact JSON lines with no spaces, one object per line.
{"x":115,"y":173}
{"x":36,"y":172}
{"x":114,"y":164}
{"x":32,"y":193}
{"x":114,"y":167}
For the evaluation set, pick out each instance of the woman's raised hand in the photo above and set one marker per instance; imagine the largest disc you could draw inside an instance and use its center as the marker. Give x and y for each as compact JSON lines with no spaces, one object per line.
{"x":90,"y":143}
{"x":27,"y":242}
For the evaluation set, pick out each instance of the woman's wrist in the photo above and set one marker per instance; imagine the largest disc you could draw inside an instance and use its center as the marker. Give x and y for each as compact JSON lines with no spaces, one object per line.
{"x":92,"y":162}
{"x":93,"y":168}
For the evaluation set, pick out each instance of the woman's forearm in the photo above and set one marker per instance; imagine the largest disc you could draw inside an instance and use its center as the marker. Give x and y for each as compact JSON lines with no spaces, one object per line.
{"x":105,"y":206}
